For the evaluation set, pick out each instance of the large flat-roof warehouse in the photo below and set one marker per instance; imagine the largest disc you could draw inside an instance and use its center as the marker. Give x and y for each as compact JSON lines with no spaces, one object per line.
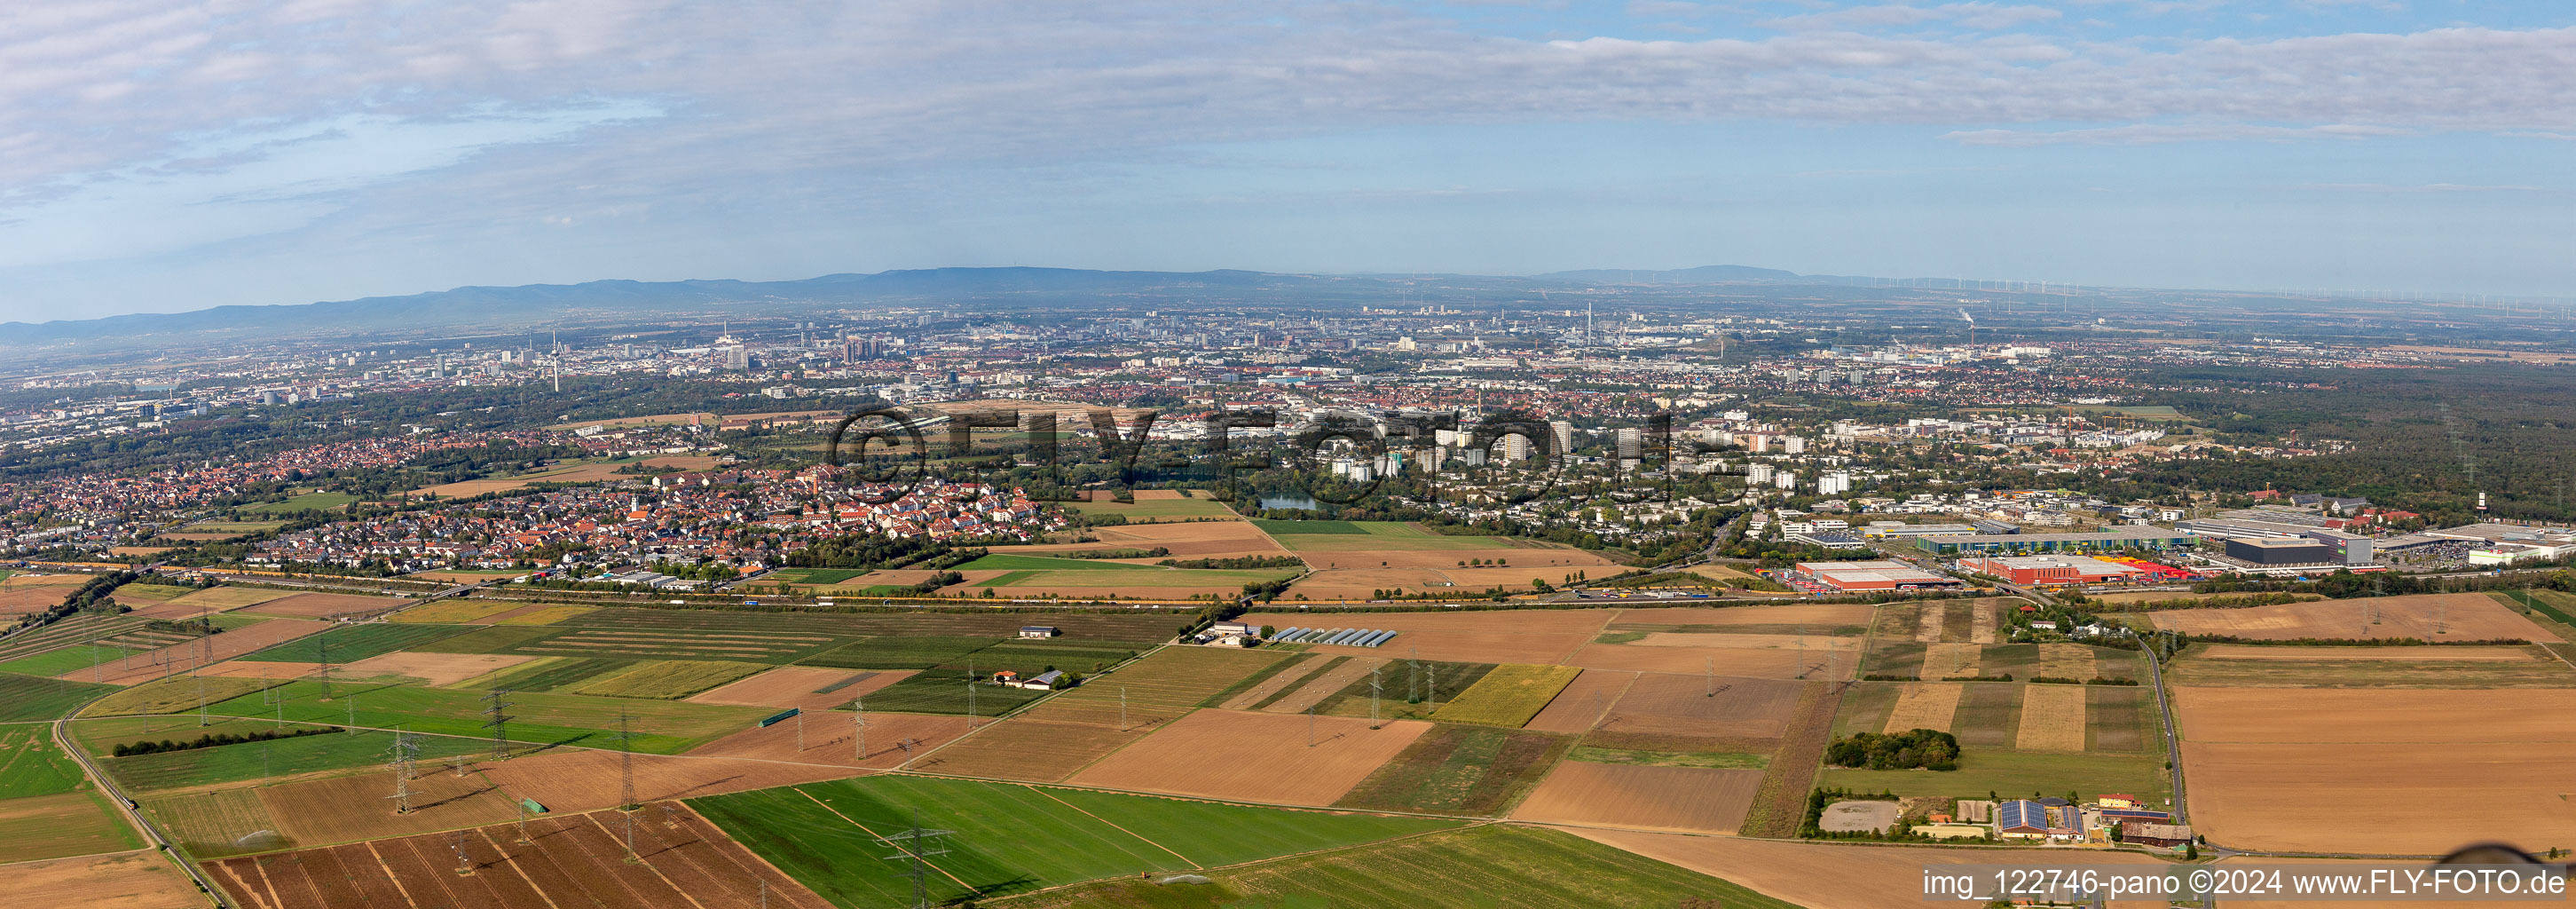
{"x":2127,"y":538}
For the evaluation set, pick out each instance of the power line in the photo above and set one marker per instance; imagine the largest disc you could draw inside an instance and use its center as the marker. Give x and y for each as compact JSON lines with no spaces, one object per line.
{"x":915,"y":845}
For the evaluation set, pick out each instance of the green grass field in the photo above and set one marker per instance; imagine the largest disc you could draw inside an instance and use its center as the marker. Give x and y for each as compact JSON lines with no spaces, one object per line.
{"x":305,"y":501}
{"x":350,"y":643}
{"x":1508,"y":696}
{"x":30,"y":764}
{"x":280,"y":757}
{"x":1460,"y":770}
{"x":812,"y":575}
{"x":154,"y":593}
{"x":24,"y":698}
{"x":661,"y":727}
{"x":1307,"y":528}
{"x":491,"y":639}
{"x":1013,"y":838}
{"x":1356,"y":536}
{"x":57,"y":662}
{"x":1487,"y":867}
{"x":2016,"y":774}
{"x":668,"y":679}
{"x":235,"y":621}
{"x":63,"y":824}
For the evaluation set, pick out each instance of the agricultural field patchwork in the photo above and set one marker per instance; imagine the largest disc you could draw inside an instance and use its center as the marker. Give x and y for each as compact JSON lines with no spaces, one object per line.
{"x":24,"y":698}
{"x":1453,"y":769}
{"x":667,"y":679}
{"x":351,"y":643}
{"x":1510,"y":695}
{"x":660,"y":727}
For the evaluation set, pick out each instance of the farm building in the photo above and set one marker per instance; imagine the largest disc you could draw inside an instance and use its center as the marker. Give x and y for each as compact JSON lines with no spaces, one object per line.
{"x":2021,"y":819}
{"x":1039,"y":631}
{"x":1236,"y":629}
{"x":2050,"y":569}
{"x":1873,"y":575}
{"x":1049,"y":680}
{"x":2148,"y":834}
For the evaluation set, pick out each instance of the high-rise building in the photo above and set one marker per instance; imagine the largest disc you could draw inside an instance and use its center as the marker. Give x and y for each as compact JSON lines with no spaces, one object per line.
{"x":1516,"y":447}
{"x":1632,"y":443}
{"x":1562,"y":432}
{"x":737,"y":358}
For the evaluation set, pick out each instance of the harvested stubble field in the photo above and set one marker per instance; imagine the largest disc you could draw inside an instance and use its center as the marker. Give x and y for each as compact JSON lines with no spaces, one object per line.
{"x":1137,"y":626}
{"x":1697,"y":799}
{"x":586,"y":780}
{"x":1819,"y":618}
{"x":1484,"y":636}
{"x":430,"y":668}
{"x":1767,"y":662}
{"x":454,"y":611}
{"x":1508,"y":696}
{"x":324,"y":605}
{"x":172,"y":695}
{"x":125,"y":880}
{"x":2259,"y":666}
{"x":224,"y":599}
{"x":1925,"y":705}
{"x":1454,"y":769}
{"x":1254,"y":757}
{"x":799,"y":686}
{"x":574,"y":860}
{"x":832,"y":738}
{"x":2458,"y":616}
{"x":1030,"y":750}
{"x":1494,"y":866}
{"x":216,"y":822}
{"x":61,"y":825}
{"x":1192,"y":540}
{"x":178,"y":659}
{"x":2052,"y":718}
{"x":1584,"y":702}
{"x":667,"y":679}
{"x":2442,"y":767}
{"x":1829,"y":876}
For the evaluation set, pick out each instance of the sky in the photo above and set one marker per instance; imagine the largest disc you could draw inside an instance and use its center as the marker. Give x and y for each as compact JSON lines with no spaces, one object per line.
{"x":166,"y":156}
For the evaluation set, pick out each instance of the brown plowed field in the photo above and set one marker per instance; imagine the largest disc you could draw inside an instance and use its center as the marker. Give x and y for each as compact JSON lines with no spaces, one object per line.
{"x":2439,"y":767}
{"x":1927,"y":705}
{"x":584,"y":780}
{"x":2466,"y":616}
{"x":1500,"y":636}
{"x":831,"y":737}
{"x":1669,"y":704}
{"x":1812,"y":642}
{"x":238,"y":669}
{"x":1029,"y":750}
{"x":435,"y":668}
{"x":2369,"y":654}
{"x":569,"y":861}
{"x":1697,"y":799}
{"x":1255,"y":757}
{"x":1983,"y":616}
{"x":2052,"y":718}
{"x":1186,"y":540}
{"x":350,"y":808}
{"x":1583,"y":702}
{"x":1828,"y":876}
{"x":324,"y":605}
{"x":1326,"y":684}
{"x":1820,"y":615}
{"x":140,"y":667}
{"x":124,"y":880}
{"x":1750,"y":662}
{"x":795,"y":686}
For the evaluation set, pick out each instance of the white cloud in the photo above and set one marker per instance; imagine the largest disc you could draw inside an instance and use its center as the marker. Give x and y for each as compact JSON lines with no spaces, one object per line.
{"x":806,"y":102}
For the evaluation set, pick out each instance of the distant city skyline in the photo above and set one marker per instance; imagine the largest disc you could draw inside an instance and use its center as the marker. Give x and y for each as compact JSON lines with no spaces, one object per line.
{"x":161,"y":159}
